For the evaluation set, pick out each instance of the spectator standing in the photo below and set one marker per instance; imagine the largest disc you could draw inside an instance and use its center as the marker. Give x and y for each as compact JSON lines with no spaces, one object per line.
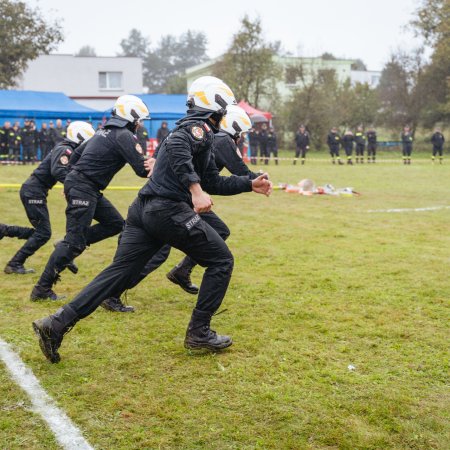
{"x":14,"y":142}
{"x":438,"y":144}
{"x":334,"y":142}
{"x":45,"y":140}
{"x":162,"y":132}
{"x":347,"y":143}
{"x":407,"y":144}
{"x":360,"y":140}
{"x":4,"y":148}
{"x":263,"y":141}
{"x":59,"y":132}
{"x":371,"y":145}
{"x":272,"y":144}
{"x":301,"y":144}
{"x":253,"y":140}
{"x":29,"y":141}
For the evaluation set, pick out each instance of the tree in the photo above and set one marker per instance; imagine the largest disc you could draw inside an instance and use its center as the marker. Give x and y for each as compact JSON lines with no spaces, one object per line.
{"x":314,"y":103}
{"x":86,"y":50}
{"x":165,"y":64}
{"x":135,"y":45}
{"x":249,"y":65}
{"x":432,"y":22}
{"x":24,"y":35}
{"x":320,"y":102}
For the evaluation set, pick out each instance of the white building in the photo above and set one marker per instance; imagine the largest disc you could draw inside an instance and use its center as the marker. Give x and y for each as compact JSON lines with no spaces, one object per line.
{"x":371,"y":77}
{"x":92,"y":81}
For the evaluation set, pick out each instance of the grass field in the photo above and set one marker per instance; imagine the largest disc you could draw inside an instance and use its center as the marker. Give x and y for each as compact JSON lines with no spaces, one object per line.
{"x":319,"y":284}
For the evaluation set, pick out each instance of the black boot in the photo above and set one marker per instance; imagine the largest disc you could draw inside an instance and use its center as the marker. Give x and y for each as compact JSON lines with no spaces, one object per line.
{"x":18,"y":268}
{"x":51,"y":330}
{"x":114,"y":304}
{"x":39,"y":293}
{"x":181,"y":275}
{"x":199,"y":334}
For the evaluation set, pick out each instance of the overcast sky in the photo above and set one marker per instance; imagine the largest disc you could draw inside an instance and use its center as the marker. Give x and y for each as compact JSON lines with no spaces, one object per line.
{"x":366,"y":29}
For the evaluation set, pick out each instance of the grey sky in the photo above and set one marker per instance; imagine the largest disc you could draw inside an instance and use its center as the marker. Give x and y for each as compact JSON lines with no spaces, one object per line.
{"x":366,"y":29}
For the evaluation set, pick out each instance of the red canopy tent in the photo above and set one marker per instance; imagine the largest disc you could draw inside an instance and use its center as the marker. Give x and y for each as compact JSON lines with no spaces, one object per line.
{"x":253,"y":111}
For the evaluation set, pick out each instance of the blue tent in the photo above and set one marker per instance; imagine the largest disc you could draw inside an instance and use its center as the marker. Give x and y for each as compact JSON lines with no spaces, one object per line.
{"x":43,"y":106}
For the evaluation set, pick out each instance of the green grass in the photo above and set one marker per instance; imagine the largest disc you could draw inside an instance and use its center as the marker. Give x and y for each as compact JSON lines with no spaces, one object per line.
{"x":319,"y":284}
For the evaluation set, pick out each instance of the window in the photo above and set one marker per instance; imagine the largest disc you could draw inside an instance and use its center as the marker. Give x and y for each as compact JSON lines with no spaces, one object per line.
{"x":110,"y":80}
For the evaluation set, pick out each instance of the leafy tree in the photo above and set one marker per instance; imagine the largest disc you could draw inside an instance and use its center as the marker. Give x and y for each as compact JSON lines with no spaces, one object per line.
{"x":135,"y":45}
{"x":400,"y":92}
{"x":164,"y":65}
{"x":249,"y":65}
{"x":433,"y":23}
{"x":320,"y":102}
{"x":86,"y":50}
{"x":24,"y":35}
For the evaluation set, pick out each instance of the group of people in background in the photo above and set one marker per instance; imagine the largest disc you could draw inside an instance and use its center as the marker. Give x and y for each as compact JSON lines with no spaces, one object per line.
{"x":25,"y":144}
{"x":358,"y":142}
{"x":264,"y":141}
{"x":20,"y":144}
{"x":349,"y":141}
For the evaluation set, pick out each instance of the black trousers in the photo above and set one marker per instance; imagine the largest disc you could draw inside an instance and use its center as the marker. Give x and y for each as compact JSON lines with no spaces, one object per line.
{"x":263,"y":150}
{"x":45,"y":150}
{"x":14,"y":153}
{"x":360,"y":149}
{"x":407,"y":150}
{"x":84,"y":204}
{"x":34,"y":201}
{"x":273,"y":149}
{"x":371,"y":150}
{"x":29,"y":152}
{"x":300,"y":151}
{"x":161,"y":256}
{"x":437,"y":150}
{"x":152,"y":223}
{"x":348,"y":151}
{"x":253,"y":153}
{"x":334,"y":151}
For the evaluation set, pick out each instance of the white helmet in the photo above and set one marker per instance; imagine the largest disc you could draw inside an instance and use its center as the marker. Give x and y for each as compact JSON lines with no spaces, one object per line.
{"x":79,"y":131}
{"x":131,"y":108}
{"x":236,"y":121}
{"x":210,"y":94}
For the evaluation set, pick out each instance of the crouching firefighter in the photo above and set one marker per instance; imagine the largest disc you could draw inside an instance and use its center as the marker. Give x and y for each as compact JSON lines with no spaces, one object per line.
{"x":168,"y":211}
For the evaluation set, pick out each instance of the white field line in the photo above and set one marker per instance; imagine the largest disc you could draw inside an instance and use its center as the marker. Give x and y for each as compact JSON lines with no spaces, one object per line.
{"x":402,"y":210}
{"x":66,"y":433}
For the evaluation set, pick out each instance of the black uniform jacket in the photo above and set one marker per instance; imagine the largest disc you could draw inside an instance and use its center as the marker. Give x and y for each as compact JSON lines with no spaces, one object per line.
{"x":360,"y":139}
{"x":371,"y":137}
{"x":226,"y":155}
{"x":53,"y":168}
{"x":333,"y":140}
{"x":302,"y":139}
{"x":100,"y":158}
{"x":438,"y":140}
{"x":186,"y":157}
